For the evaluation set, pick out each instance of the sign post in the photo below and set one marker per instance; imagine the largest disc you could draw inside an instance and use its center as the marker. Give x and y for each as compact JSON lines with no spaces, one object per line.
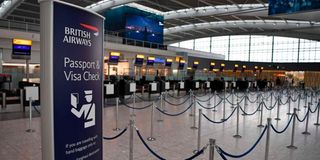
{"x":71,"y":81}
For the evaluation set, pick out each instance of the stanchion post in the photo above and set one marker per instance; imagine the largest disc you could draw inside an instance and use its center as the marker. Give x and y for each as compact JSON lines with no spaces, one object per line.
{"x":232,"y":98}
{"x":131,"y":124}
{"x":261,"y":115}
{"x":306,"y":100}
{"x":318,"y":112}
{"x":291,"y":146}
{"x":194,"y":115}
{"x":237,"y":130}
{"x":209,"y":101}
{"x":117,"y":114}
{"x":266,"y":154}
{"x":299,"y":98}
{"x":214,"y":101}
{"x":271,"y":97}
{"x":151,"y":138}
{"x":4,"y":97}
{"x":289,"y":105}
{"x":199,"y":132}
{"x":278,"y":110}
{"x":224,"y":105}
{"x":22,"y":100}
{"x":30,"y":130}
{"x":161,"y":107}
{"x":212,"y":143}
{"x":134,"y":104}
{"x":192,"y":100}
{"x":307,"y":121}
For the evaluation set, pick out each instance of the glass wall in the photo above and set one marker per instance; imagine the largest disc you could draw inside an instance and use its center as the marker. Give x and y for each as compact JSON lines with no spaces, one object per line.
{"x":257,"y":48}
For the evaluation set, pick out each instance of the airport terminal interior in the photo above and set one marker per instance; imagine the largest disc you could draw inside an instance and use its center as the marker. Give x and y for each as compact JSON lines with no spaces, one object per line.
{"x":159,"y":79}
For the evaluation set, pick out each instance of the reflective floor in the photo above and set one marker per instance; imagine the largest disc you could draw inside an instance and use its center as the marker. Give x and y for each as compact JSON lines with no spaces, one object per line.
{"x":174,"y":138}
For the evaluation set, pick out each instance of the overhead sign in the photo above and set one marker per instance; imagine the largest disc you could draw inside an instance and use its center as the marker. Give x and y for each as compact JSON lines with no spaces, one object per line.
{"x":21,"y":48}
{"x":72,"y":81}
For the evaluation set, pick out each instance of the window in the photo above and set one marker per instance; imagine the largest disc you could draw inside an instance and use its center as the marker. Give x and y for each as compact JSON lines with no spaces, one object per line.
{"x":219,"y":45}
{"x":239,"y":48}
{"x":202,"y":44}
{"x":261,"y":49}
{"x":285,"y":49}
{"x":187,"y":44}
{"x":308,"y":51}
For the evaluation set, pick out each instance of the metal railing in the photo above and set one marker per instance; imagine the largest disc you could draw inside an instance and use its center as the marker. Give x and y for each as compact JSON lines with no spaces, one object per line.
{"x":110,"y":36}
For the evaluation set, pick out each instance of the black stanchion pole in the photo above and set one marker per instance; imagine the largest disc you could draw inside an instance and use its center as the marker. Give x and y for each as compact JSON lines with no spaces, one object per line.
{"x":237,"y":130}
{"x":307,"y":121}
{"x":212,"y":143}
{"x":318,"y":112}
{"x":214,"y":100}
{"x":278,"y":110}
{"x":194,"y":115}
{"x":261,"y":115}
{"x":266,"y":154}
{"x":299,"y":98}
{"x":161,"y":107}
{"x":192,"y":100}
{"x":224,"y":105}
{"x":131,"y":124}
{"x":289,"y":105}
{"x":291,"y":146}
{"x":232,"y":98}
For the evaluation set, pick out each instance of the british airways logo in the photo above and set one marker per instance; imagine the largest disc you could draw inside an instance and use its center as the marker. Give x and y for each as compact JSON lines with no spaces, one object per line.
{"x":80,"y":36}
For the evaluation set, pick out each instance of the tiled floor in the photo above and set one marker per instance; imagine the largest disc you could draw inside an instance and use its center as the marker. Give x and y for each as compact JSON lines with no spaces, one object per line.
{"x":174,"y":138}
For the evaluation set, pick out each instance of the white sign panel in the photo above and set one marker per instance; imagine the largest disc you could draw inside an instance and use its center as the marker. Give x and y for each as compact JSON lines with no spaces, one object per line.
{"x":234,"y":84}
{"x":255,"y":84}
{"x":32,"y":92}
{"x":153,"y":87}
{"x":167,"y":85}
{"x":181,"y":85}
{"x":132,"y":87}
{"x":109,"y":89}
{"x":225,"y":84}
{"x":208,"y":84}
{"x":249,"y":85}
{"x":197,"y":84}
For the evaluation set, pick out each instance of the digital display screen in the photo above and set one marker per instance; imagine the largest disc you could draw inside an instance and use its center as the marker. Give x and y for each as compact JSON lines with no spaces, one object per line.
{"x":144,"y":29}
{"x":150,"y":62}
{"x":168,"y":64}
{"x":291,"y":6}
{"x":114,"y":59}
{"x":181,"y":65}
{"x":195,"y":66}
{"x":138,"y":62}
{"x":159,"y":60}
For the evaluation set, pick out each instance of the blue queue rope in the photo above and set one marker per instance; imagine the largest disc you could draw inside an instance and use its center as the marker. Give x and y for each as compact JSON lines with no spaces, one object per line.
{"x":304,"y":118}
{"x":218,"y":122}
{"x":177,"y":97}
{"x":252,"y":101}
{"x":250,"y":114}
{"x":146,"y":145}
{"x":36,"y":109}
{"x":177,"y":114}
{"x":147,"y":106}
{"x":112,"y":138}
{"x":176,"y":104}
{"x":161,"y":158}
{"x":215,"y":106}
{"x":285,"y":128}
{"x":271,"y":108}
{"x":205,"y":100}
{"x":220,"y":150}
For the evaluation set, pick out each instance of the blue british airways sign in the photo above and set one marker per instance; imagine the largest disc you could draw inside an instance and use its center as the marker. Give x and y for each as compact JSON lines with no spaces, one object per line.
{"x":77,"y":83}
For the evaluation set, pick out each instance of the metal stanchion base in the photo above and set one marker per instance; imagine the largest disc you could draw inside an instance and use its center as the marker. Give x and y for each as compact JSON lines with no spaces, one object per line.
{"x":292,"y":147}
{"x":260,"y":126}
{"x":289,"y":113}
{"x":214,"y":110}
{"x":237,"y":136}
{"x":160,"y":120}
{"x":151,"y":139}
{"x":277,"y":119}
{"x":194,"y":127}
{"x":306,"y":133}
{"x":116,"y":129}
{"x":30,"y":130}
{"x":317,"y":124}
